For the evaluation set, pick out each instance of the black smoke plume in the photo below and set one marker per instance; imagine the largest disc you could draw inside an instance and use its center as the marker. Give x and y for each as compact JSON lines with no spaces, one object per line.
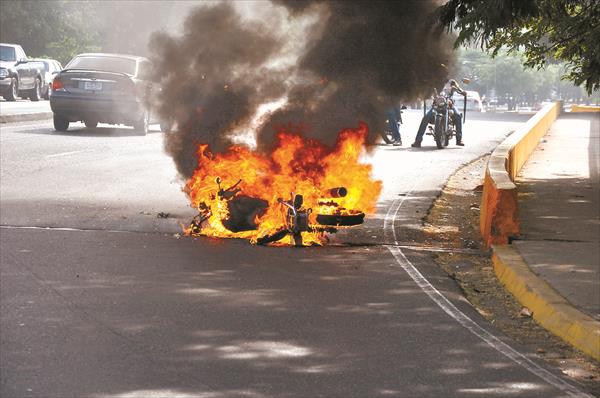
{"x":354,"y":59}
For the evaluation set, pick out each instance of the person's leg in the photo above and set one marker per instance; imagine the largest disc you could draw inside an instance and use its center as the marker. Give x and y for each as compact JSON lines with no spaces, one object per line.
{"x":421,"y":131}
{"x":458,"y":124}
{"x":393,"y":126}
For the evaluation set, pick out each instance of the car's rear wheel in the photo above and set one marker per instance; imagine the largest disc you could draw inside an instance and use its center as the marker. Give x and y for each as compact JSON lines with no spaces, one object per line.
{"x":61,"y":123}
{"x":35,"y":93}
{"x":90,"y":123}
{"x":142,"y":125}
{"x":13,"y":91}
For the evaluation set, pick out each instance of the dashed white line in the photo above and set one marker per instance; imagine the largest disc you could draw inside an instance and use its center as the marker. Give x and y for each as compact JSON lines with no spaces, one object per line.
{"x":56,"y":155}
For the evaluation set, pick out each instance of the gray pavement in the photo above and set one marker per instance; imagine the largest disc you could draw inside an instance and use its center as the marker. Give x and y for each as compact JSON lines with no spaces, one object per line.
{"x":98,"y":298}
{"x":559,"y":208}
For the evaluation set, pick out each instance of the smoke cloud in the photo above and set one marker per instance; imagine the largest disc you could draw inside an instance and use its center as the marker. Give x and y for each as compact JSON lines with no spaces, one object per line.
{"x":329,"y":64}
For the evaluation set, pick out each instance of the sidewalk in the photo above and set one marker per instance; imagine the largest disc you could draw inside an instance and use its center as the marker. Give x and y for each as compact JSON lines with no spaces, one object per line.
{"x":559,"y":210}
{"x":24,"y":111}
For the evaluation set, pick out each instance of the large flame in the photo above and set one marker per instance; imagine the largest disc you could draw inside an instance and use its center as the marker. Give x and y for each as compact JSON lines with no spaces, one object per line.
{"x":296,"y":165}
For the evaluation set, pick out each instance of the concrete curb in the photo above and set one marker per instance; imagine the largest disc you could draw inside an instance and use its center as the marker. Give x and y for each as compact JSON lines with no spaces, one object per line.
{"x":25,"y":117}
{"x":549,"y":308}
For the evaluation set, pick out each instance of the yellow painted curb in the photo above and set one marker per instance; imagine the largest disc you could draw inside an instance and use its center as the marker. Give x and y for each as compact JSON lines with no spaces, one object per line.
{"x":585,"y":108}
{"x":549,"y":308}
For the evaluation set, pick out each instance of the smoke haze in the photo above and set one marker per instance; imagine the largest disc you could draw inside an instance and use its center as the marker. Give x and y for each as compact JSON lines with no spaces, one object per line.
{"x":330,"y":64}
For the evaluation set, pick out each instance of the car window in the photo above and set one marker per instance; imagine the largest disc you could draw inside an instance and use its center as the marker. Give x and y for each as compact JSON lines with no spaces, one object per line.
{"x":46,"y":66}
{"x":104,"y":64}
{"x":57,"y":65}
{"x":20,"y":53}
{"x":7,"y":53}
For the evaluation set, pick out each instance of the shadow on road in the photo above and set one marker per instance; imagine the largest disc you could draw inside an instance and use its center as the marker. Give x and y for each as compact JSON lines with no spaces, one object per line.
{"x":134,"y":315}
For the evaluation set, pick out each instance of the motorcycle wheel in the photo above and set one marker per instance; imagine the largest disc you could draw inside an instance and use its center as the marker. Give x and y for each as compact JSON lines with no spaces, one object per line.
{"x":446,"y":139}
{"x":264,"y":240}
{"x":387,"y":137}
{"x":438,"y":132}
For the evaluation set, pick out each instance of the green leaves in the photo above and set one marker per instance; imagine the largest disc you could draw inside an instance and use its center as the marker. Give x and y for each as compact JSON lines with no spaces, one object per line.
{"x":545,"y":30}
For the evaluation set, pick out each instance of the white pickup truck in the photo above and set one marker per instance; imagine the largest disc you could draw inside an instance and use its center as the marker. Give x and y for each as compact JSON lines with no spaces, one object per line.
{"x":19,"y":76}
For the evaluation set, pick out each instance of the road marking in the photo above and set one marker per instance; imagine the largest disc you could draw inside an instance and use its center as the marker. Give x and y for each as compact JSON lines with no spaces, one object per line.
{"x":66,"y":229}
{"x":459,"y":316}
{"x":56,"y":155}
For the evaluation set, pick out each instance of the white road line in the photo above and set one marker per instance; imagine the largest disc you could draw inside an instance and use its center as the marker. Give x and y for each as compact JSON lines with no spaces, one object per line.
{"x":65,"y":229}
{"x":56,"y":155}
{"x":461,"y":317}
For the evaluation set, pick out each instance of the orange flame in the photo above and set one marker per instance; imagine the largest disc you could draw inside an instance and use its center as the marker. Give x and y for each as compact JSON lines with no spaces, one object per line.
{"x":296,"y":165}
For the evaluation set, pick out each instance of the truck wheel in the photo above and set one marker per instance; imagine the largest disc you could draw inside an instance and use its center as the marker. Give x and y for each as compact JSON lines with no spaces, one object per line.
{"x":13,"y":91}
{"x":35,"y":93}
{"x":61,"y":123}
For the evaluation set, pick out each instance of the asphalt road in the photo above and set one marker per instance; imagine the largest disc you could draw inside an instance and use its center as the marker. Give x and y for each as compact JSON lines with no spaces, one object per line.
{"x":99,"y":299}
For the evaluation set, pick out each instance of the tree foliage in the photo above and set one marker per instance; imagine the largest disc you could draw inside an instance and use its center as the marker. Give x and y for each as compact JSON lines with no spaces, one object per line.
{"x":545,"y":31}
{"x":56,"y":29}
{"x":505,"y":76}
{"x":60,"y":29}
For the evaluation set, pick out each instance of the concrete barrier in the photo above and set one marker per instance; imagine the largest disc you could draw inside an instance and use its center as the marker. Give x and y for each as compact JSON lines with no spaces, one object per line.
{"x":585,"y":108}
{"x":499,"y":221}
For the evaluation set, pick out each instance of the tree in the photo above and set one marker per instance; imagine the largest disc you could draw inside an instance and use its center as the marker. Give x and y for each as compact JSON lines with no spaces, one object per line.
{"x":57,"y":29}
{"x":545,"y":31}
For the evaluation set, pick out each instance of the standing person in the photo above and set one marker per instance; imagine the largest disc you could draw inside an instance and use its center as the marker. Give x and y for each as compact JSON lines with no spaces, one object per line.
{"x":394,"y":117}
{"x":452,"y":87}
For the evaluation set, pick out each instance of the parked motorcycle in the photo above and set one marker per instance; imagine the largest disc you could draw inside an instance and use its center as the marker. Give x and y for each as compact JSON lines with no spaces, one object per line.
{"x":386,"y":134}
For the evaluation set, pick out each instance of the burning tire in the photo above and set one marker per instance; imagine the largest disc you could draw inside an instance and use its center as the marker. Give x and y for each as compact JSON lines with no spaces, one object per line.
{"x":341,"y":220}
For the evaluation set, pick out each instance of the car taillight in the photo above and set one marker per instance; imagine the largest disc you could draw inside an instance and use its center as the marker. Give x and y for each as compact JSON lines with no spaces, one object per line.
{"x":57,"y":84}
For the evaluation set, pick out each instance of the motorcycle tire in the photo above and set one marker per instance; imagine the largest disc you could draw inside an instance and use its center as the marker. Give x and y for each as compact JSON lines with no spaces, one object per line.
{"x":264,"y":240}
{"x":446,"y":139}
{"x":341,"y":220}
{"x":387,"y":137}
{"x":438,"y":132}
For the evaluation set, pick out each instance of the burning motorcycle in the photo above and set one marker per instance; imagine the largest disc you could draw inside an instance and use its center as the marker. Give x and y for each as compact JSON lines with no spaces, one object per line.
{"x":243,"y":211}
{"x":296,"y":194}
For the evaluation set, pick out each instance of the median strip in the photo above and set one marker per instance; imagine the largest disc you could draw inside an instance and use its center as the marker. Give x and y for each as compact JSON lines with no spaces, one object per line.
{"x":25,"y":117}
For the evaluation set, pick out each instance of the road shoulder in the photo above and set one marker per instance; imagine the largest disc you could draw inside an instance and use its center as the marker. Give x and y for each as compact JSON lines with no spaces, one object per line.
{"x":453,"y":221}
